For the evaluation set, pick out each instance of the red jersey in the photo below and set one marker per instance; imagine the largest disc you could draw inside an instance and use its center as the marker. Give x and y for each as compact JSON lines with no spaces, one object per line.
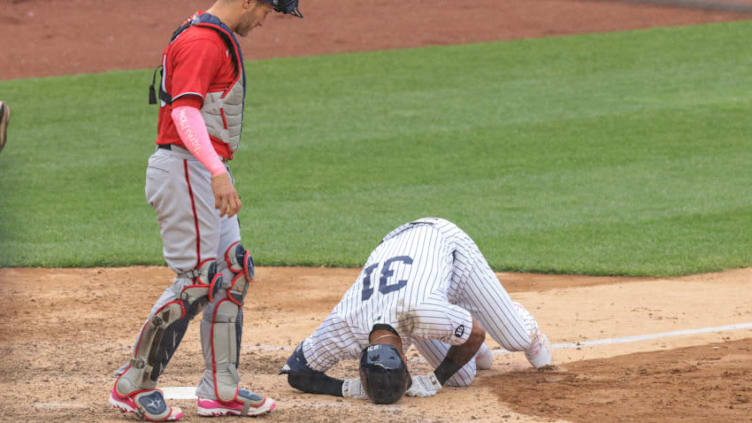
{"x":197,"y":62}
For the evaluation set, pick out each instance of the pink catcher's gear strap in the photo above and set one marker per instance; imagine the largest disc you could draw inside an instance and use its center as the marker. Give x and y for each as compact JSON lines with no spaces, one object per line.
{"x":192,"y":131}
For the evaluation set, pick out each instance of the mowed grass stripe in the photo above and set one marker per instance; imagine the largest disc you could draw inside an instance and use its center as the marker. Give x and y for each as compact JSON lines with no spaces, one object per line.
{"x":621,"y":153}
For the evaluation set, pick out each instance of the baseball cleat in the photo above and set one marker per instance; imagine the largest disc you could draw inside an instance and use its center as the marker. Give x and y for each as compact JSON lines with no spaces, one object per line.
{"x":147,"y":405}
{"x":4,"y":119}
{"x":539,"y":353}
{"x":246,"y":403}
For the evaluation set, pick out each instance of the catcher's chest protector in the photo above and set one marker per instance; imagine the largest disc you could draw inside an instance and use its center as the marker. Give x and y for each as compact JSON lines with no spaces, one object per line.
{"x":222,"y":110}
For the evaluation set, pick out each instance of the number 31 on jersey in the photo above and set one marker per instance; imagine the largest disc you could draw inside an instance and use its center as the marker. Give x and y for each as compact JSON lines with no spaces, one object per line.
{"x":387,"y":272}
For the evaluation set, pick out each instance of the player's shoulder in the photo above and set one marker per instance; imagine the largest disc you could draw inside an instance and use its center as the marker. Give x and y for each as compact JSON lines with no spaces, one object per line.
{"x":199,"y":42}
{"x":200,"y":34}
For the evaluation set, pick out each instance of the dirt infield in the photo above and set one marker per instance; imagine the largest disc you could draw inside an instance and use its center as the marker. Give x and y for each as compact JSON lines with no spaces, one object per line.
{"x":54,"y":37}
{"x":63,"y":331}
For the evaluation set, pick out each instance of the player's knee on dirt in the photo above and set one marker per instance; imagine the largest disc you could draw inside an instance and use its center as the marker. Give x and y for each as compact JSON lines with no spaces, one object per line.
{"x":484,"y":358}
{"x":164,"y":330}
{"x":464,"y":376}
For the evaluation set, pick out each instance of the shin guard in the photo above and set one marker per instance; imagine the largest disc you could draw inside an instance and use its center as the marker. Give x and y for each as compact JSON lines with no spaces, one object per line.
{"x":227,"y":325}
{"x":163,"y":331}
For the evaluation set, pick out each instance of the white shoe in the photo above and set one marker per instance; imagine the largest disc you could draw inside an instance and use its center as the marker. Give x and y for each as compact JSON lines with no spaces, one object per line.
{"x":484,"y":358}
{"x":539,"y":353}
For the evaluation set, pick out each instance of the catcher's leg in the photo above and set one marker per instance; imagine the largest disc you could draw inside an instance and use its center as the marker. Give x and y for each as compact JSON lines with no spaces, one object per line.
{"x":219,"y":393}
{"x":135,"y":388}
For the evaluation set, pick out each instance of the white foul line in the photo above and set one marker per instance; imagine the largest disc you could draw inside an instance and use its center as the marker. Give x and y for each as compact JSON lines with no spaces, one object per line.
{"x":638,"y":338}
{"x":580,"y":344}
{"x":186,"y":392}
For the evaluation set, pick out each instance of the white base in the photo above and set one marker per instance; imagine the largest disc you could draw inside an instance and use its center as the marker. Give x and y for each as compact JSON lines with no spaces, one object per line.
{"x":179,"y":392}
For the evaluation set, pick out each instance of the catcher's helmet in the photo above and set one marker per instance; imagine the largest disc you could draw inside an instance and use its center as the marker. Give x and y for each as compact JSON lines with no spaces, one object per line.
{"x":288,"y":7}
{"x":383,"y":373}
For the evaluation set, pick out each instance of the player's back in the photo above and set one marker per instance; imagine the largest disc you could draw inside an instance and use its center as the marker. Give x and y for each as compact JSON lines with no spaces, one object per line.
{"x":400,"y":274}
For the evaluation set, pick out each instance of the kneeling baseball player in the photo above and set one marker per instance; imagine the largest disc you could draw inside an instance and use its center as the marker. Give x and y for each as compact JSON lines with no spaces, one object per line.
{"x":428,"y":284}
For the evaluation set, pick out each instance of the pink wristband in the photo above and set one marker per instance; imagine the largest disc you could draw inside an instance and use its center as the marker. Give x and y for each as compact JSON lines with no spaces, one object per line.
{"x":192,"y":131}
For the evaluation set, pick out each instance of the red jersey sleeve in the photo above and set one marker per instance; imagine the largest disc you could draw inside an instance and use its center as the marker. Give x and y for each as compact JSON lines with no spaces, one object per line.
{"x":195,"y":65}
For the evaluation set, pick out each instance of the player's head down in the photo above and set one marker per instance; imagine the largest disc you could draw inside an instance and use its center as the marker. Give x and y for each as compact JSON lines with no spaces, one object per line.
{"x":383,"y":373}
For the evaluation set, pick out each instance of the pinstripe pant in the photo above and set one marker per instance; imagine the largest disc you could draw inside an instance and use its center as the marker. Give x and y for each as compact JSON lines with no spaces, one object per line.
{"x":476,"y":288}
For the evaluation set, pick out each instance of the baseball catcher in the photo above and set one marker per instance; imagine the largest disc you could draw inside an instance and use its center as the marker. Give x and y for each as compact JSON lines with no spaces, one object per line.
{"x":189,"y":185}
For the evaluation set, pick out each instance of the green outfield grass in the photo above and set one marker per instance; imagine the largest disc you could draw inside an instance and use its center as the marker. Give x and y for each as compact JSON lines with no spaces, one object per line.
{"x":622,"y":153}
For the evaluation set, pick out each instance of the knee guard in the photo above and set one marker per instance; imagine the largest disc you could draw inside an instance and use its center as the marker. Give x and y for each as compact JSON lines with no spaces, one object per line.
{"x":240,"y":262}
{"x":227,"y":324}
{"x":163,"y":331}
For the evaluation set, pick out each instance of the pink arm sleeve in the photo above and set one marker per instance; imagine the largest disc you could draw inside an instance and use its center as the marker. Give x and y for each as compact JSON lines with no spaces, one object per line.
{"x":192,"y":131}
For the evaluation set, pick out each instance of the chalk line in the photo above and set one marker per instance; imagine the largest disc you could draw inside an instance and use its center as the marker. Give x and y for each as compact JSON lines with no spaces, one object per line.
{"x":638,"y":338}
{"x":188,"y":392}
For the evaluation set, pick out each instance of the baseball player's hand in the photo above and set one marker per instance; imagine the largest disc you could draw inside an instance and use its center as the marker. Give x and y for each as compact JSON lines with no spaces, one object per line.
{"x":424,"y":386}
{"x":226,"y":199}
{"x":352,"y":388}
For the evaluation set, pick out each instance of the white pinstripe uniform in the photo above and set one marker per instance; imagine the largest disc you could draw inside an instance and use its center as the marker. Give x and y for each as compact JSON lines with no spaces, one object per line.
{"x":427,"y":279}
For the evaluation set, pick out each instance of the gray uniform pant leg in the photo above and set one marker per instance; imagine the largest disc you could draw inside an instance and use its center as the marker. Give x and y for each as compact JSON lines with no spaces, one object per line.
{"x":230,"y":233}
{"x":178,"y":188}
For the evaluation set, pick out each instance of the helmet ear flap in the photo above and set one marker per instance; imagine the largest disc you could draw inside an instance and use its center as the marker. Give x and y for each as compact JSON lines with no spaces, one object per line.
{"x":383,"y":374}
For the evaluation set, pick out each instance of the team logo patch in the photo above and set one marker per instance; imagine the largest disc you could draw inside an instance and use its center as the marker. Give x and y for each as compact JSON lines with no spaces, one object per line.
{"x":153,"y":403}
{"x":459,"y":331}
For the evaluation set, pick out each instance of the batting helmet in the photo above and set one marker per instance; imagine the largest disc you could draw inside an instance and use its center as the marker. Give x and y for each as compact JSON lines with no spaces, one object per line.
{"x":383,"y":373}
{"x":288,"y":7}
